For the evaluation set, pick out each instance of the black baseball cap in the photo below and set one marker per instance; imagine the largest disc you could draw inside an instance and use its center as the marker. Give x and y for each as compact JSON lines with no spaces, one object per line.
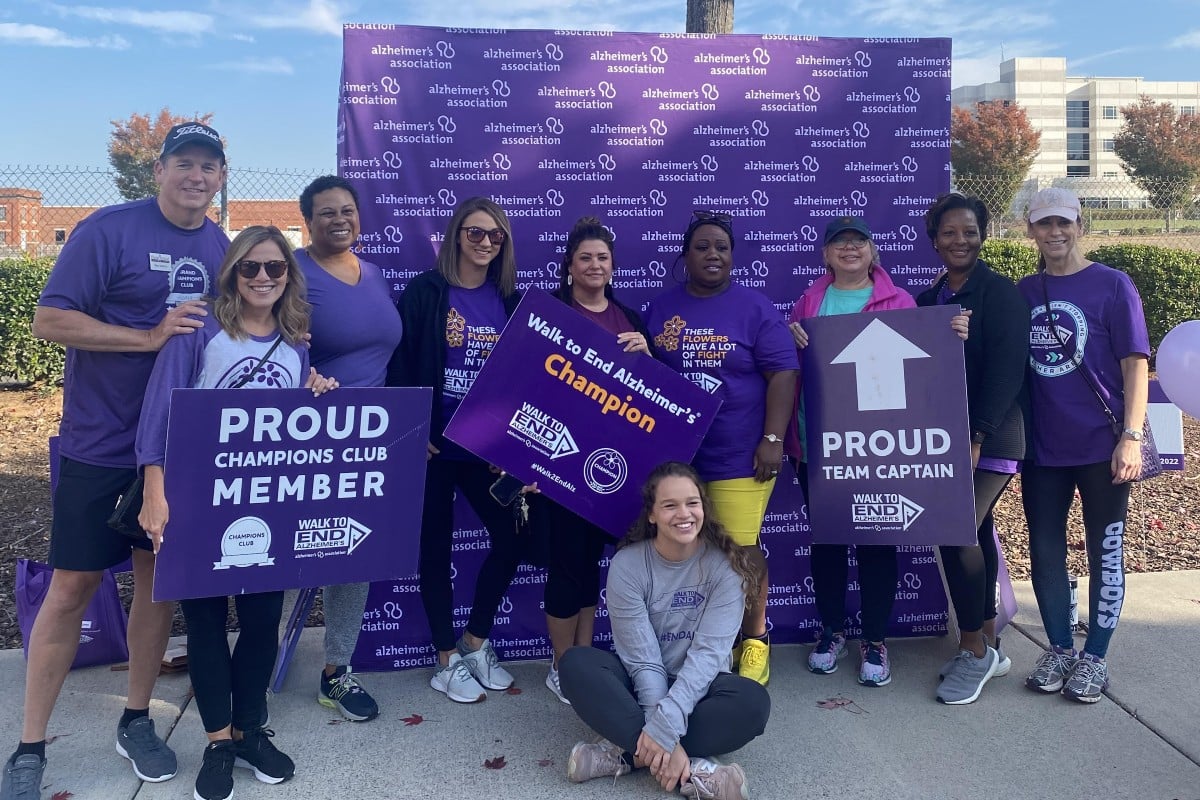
{"x":187,"y":133}
{"x":843,"y":224}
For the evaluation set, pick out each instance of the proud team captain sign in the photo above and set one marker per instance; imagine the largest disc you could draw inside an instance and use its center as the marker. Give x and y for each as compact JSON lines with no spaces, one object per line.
{"x":782,"y":132}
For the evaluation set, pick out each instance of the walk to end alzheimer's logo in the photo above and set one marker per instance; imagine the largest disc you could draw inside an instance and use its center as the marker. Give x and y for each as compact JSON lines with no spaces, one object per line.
{"x":542,"y":432}
{"x":323,"y":537}
{"x":1056,"y":337}
{"x":883,"y":511}
{"x":246,"y":543}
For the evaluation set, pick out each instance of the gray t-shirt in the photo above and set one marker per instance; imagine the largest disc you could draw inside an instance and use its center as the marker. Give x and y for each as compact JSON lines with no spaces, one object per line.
{"x":673,"y":623}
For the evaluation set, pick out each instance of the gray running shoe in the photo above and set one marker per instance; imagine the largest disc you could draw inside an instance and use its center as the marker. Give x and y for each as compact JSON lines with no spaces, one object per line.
{"x":23,"y":778}
{"x":1003,"y":663}
{"x":713,"y":781}
{"x":595,"y":760}
{"x":967,"y":677}
{"x":153,"y":761}
{"x":1087,"y":681}
{"x":1050,"y":672}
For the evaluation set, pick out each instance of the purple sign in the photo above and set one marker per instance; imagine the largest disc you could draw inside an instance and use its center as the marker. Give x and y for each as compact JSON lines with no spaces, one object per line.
{"x":889,"y":454}
{"x":560,"y":403}
{"x":1166,"y":421}
{"x":277,"y":489}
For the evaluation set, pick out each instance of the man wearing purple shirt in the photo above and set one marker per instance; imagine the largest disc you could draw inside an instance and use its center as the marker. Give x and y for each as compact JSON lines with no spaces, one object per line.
{"x":130,"y":277}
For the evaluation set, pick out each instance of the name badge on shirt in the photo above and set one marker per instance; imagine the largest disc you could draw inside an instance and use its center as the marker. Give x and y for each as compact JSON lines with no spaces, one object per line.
{"x":160,"y":262}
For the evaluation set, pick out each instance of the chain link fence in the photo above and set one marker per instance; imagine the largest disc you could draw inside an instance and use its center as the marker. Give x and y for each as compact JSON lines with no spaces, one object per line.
{"x":40,"y":205}
{"x":1115,"y":211}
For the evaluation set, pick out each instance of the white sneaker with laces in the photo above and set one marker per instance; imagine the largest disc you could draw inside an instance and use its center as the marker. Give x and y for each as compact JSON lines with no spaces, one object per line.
{"x":552,"y":683}
{"x":485,"y":666}
{"x":456,"y":682}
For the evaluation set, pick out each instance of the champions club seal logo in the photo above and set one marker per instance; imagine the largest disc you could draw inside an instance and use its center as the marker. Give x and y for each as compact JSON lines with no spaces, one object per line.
{"x":605,"y":471}
{"x":246,"y":543}
{"x":189,"y":281}
{"x":542,"y":432}
{"x":884,"y":511}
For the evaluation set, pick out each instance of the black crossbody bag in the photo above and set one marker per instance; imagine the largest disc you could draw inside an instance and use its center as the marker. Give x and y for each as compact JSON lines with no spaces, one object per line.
{"x":124,"y":518}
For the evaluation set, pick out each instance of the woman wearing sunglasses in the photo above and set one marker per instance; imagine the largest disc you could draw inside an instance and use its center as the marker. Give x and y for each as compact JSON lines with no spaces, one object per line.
{"x":573,"y":575}
{"x":355,"y":331}
{"x":254,"y":338}
{"x":854,"y":281}
{"x":452,"y":317}
{"x":731,"y":341}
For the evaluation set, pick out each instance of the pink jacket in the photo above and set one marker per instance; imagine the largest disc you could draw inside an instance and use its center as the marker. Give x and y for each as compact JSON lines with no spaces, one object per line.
{"x":885,"y":296}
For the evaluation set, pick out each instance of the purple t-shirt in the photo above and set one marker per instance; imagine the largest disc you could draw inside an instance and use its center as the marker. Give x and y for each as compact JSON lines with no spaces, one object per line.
{"x":124,"y":265}
{"x":724,"y":344}
{"x":473,"y":324}
{"x":355,"y":329}
{"x":1098,"y":313}
{"x":211,"y":359}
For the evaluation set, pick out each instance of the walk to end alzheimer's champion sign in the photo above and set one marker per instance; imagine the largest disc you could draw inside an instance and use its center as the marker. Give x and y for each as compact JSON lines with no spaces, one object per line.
{"x":889,"y":455}
{"x":277,"y":489}
{"x":560,"y":403}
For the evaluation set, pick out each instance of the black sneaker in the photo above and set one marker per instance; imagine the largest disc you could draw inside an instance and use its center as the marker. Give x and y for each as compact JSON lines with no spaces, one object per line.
{"x":343,"y":692}
{"x":215,"y":781}
{"x":256,"y":752}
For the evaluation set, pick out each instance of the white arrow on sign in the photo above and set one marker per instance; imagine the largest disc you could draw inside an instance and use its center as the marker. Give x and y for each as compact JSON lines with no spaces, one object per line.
{"x":878,"y":354}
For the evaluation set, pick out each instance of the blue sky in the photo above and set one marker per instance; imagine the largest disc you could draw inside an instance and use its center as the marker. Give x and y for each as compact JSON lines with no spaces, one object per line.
{"x":268,"y":69}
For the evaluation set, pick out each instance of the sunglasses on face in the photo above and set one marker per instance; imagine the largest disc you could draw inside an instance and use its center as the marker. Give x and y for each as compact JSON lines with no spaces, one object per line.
{"x":249,"y":269}
{"x":475,"y":235}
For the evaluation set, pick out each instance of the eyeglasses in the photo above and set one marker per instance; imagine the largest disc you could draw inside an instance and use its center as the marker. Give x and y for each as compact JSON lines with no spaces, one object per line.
{"x":701,"y":215}
{"x":249,"y":269}
{"x":849,"y":244}
{"x":475,"y":235}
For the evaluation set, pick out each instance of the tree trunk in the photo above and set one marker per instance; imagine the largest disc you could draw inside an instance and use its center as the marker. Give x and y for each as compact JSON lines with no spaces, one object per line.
{"x":710,"y":16}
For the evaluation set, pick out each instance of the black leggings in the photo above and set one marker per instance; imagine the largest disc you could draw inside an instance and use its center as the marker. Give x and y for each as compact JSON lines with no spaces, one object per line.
{"x":1047,"y":493}
{"x":573,"y":577}
{"x":232,"y":689}
{"x":472,"y":478}
{"x":734,"y":711}
{"x":830,"y":574}
{"x":971,"y":570}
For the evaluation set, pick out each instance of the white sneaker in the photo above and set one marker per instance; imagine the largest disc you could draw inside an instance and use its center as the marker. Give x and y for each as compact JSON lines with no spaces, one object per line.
{"x":553,"y":685}
{"x":456,"y":682}
{"x":485,"y":666}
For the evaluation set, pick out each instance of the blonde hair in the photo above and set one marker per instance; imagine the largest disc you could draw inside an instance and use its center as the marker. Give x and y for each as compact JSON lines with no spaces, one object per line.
{"x":291,"y":310}
{"x":502,"y":269}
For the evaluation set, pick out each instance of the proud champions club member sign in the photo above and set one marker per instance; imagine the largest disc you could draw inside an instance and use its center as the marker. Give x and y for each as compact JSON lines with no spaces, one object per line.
{"x":889,"y":454}
{"x":558,"y":402}
{"x":278,"y":489}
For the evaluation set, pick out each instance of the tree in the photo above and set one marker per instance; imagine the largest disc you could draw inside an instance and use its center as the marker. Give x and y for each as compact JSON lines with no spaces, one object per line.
{"x":710,"y":16}
{"x":1160,"y":151}
{"x":992,"y":147}
{"x":134,"y":145}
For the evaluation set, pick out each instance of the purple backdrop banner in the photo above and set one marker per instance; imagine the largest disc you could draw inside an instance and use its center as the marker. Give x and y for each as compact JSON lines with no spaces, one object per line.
{"x":277,"y":489}
{"x":558,"y":402}
{"x":889,"y":453}
{"x":783,"y":132}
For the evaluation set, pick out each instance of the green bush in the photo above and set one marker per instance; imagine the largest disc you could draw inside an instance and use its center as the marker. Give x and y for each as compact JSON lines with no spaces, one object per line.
{"x":1013,"y":259}
{"x":23,"y":357}
{"x":1168,"y":281}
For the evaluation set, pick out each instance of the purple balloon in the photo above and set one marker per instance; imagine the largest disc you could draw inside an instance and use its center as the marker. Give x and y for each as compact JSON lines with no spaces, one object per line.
{"x":1178,"y":363}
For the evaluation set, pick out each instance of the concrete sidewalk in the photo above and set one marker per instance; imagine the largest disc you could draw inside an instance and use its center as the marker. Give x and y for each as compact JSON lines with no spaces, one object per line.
{"x":1141,"y":741}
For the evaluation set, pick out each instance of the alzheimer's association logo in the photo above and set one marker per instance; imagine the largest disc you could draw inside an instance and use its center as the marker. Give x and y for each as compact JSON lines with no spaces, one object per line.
{"x":246,"y":543}
{"x":884,"y":511}
{"x":542,"y":432}
{"x":669,"y":338}
{"x":456,"y":323}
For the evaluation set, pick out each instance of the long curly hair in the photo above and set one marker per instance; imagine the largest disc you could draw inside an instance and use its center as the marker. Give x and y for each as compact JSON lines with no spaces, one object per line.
{"x":711,"y":531}
{"x":291,"y":310}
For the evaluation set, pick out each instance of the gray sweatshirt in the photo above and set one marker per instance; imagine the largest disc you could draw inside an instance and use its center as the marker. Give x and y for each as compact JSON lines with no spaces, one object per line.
{"x":673,"y":623}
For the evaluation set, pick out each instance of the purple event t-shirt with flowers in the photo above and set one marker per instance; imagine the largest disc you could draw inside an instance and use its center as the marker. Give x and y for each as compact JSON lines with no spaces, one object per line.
{"x":473,"y":324}
{"x":724,"y":344}
{"x":124,"y":265}
{"x":1097,"y":312}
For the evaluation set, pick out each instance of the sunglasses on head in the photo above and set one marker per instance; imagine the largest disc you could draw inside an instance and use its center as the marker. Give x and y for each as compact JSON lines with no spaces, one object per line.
{"x":701,"y":215}
{"x":249,"y":269}
{"x":475,"y":235}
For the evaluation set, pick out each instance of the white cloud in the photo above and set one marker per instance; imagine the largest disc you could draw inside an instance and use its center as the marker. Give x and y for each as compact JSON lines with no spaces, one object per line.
{"x":263,"y":66}
{"x":41,"y":36}
{"x":1075,"y":63}
{"x":977,"y":61}
{"x":315,"y":16}
{"x":184,"y":22}
{"x":644,"y":15}
{"x":1189,"y":39}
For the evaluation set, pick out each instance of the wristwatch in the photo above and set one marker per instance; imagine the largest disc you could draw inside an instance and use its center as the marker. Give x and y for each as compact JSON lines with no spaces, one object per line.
{"x":1132,"y":434}
{"x":772,"y":438}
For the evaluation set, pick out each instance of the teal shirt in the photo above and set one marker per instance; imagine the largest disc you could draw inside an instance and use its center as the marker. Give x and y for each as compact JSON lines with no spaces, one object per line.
{"x":835,"y":302}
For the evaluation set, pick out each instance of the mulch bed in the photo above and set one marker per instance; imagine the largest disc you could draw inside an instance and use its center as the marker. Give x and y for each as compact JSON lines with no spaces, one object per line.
{"x":1161,"y":534}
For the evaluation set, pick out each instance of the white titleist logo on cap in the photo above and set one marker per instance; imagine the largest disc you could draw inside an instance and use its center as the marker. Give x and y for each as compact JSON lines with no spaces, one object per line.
{"x":195,"y":129}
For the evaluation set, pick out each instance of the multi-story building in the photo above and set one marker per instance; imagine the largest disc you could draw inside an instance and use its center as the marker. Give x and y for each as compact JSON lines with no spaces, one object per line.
{"x":1078,"y":118}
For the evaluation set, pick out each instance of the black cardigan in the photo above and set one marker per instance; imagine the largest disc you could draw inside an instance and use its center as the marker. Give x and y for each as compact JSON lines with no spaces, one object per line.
{"x":420,"y":360}
{"x":997,"y":356}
